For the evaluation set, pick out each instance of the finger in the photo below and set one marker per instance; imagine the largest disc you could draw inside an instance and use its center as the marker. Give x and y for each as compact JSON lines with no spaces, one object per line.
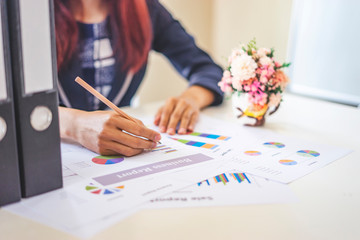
{"x":107,"y":152}
{"x":158,"y":116}
{"x":176,"y":116}
{"x":126,"y":139}
{"x":185,"y":120}
{"x":166,"y":113}
{"x":135,"y":119}
{"x":134,"y":128}
{"x":110,"y":147}
{"x":139,"y":122}
{"x":194,"y":118}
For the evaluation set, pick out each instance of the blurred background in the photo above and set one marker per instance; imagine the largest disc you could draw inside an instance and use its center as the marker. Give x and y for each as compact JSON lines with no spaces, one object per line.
{"x":320,"y":38}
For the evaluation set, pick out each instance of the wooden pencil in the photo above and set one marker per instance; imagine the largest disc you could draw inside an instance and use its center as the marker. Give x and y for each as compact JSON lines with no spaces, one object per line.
{"x":102,"y":98}
{"x":106,"y":101}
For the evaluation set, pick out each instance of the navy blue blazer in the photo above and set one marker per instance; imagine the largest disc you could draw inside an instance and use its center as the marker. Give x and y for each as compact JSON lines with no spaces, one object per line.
{"x":170,"y":39}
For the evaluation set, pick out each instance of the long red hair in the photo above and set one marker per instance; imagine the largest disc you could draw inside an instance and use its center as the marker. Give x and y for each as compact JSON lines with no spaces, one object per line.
{"x":130,"y":26}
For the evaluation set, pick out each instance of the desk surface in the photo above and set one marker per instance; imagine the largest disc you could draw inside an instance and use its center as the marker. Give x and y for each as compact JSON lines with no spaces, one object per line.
{"x":329,"y":206}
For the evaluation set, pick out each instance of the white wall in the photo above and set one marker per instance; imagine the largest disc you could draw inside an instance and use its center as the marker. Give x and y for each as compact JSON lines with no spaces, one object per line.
{"x":218,"y":26}
{"x":239,"y":21}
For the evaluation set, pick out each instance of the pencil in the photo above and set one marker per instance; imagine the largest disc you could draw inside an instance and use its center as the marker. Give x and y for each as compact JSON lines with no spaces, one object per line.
{"x":102,"y":98}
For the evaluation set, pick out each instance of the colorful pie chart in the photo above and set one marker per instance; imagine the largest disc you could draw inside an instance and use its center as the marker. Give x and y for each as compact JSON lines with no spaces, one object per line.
{"x":252,"y":153}
{"x":288,"y":162}
{"x":107,"y":160}
{"x":308,"y":153}
{"x":274,"y":145}
{"x":92,"y":188}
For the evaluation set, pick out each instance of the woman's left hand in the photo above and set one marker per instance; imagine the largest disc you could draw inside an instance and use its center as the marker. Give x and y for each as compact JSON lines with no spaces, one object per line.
{"x":183,"y":110}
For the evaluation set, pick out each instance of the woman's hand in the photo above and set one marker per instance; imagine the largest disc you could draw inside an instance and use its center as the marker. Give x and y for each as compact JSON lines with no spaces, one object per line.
{"x":103,"y":132}
{"x":183,"y":110}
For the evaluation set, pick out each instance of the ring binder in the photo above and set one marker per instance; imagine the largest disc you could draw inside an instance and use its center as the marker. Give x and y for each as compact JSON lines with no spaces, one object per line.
{"x":9,"y":169}
{"x":31,"y":25}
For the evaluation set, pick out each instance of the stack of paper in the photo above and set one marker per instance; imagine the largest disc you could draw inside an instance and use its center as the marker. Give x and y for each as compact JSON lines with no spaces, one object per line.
{"x":219,"y":164}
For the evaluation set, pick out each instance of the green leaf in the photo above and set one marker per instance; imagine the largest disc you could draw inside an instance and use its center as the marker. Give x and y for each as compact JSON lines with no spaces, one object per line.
{"x":251,"y":45}
{"x":284,"y":65}
{"x":271,"y":54}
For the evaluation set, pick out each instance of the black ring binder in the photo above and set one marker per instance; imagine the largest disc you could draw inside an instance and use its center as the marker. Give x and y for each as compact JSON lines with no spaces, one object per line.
{"x":39,"y":151}
{"x":9,"y":169}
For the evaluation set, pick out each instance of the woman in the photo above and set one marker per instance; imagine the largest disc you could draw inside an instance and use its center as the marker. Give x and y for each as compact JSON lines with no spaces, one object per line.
{"x":107,"y":42}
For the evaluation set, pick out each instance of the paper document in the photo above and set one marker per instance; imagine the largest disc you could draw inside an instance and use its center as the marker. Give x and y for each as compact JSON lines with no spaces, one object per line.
{"x":98,"y":187}
{"x":259,"y":151}
{"x":230,"y":188}
{"x":265,"y":153}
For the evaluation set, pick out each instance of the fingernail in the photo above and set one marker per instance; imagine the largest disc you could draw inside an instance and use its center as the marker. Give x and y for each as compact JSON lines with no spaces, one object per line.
{"x":157,"y":138}
{"x":162,"y":129}
{"x":182,"y":131}
{"x":154,"y":145}
{"x":190,"y":129}
{"x":171,"y":131}
{"x":156,"y":121}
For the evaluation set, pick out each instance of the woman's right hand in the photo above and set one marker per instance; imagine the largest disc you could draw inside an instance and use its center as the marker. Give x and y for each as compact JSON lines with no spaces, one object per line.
{"x":103,"y":132}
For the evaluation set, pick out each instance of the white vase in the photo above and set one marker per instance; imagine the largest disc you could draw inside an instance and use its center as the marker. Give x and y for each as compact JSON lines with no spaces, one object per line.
{"x":239,"y":101}
{"x":242,"y":108}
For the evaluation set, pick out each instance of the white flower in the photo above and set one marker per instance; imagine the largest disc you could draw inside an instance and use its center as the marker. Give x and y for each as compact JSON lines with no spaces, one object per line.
{"x":262,"y":52}
{"x":226,"y":74}
{"x":243,"y":67}
{"x":234,"y":53}
{"x":236,"y":83}
{"x":266,"y":61}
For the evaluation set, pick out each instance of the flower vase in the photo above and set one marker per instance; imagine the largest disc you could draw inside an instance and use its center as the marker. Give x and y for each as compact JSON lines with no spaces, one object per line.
{"x":254,"y":114}
{"x":256,"y":82}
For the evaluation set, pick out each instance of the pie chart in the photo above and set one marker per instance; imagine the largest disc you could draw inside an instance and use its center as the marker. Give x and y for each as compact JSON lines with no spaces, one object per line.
{"x":274,"y":145}
{"x":92,"y":188}
{"x":308,"y":153}
{"x":107,"y":160}
{"x":252,"y":153}
{"x":288,"y":162}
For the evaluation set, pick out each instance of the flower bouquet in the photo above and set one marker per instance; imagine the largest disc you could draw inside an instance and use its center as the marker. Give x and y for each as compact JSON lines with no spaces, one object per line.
{"x":255,"y":80}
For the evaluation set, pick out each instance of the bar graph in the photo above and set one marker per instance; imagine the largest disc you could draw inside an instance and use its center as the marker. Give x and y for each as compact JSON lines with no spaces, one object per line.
{"x":163,"y":148}
{"x":203,"y":182}
{"x":240,"y":177}
{"x":196,"y":144}
{"x":221,"y":178}
{"x":225,"y":178}
{"x":211,"y":136}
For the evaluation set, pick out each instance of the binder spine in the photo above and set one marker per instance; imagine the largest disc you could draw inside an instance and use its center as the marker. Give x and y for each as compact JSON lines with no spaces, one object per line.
{"x":9,"y":169}
{"x":39,"y":150}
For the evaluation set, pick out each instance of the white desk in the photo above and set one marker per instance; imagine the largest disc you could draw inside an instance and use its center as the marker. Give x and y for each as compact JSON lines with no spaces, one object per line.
{"x":329,"y":206}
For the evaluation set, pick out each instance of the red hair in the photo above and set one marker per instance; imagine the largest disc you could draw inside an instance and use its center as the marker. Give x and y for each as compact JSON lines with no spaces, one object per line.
{"x":130,"y":27}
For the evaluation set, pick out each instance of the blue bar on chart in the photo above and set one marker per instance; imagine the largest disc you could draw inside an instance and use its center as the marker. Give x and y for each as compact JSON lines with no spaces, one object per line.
{"x":163,"y":148}
{"x":212,"y":136}
{"x":207,"y":181}
{"x":240,"y":177}
{"x":221,"y":178}
{"x":196,"y":144}
{"x":225,"y":178}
